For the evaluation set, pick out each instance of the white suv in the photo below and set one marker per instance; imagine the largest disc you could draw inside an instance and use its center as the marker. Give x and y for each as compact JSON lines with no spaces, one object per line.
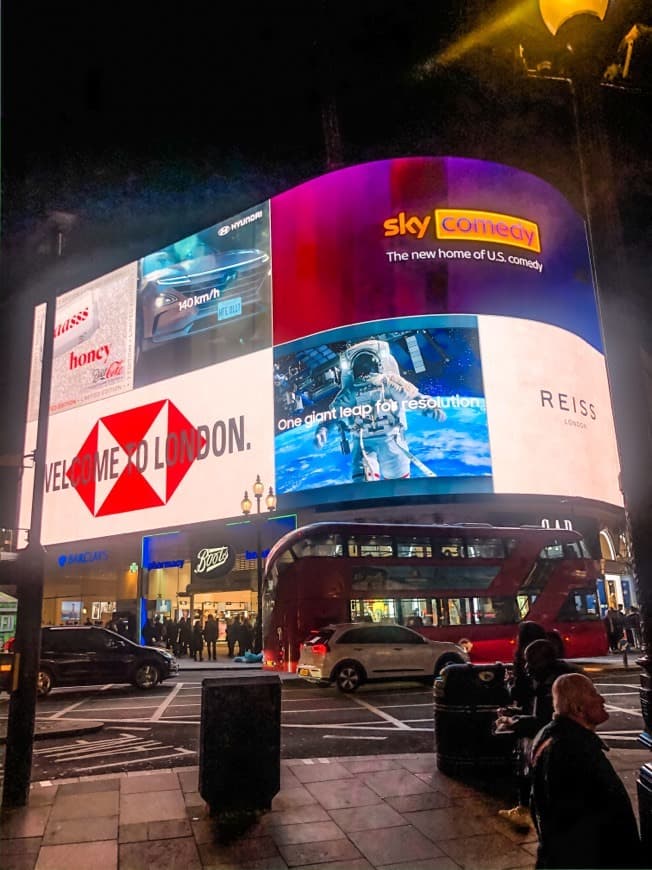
{"x":352,"y":653}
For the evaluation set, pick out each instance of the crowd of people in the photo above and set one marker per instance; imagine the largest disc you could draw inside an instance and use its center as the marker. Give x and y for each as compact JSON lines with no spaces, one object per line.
{"x":185,"y":637}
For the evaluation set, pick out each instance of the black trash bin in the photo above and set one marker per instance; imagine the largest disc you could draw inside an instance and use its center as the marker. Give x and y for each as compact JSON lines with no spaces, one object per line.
{"x":466,"y":698}
{"x":240,"y":742}
{"x":644,"y":788}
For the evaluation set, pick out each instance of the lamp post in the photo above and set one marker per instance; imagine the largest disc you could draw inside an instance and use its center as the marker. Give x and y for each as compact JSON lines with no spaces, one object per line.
{"x":21,"y":717}
{"x":629,"y":369}
{"x":258,"y":489}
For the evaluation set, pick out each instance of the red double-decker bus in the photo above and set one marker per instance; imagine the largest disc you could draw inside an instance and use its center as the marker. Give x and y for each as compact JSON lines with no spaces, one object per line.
{"x":448,"y":582}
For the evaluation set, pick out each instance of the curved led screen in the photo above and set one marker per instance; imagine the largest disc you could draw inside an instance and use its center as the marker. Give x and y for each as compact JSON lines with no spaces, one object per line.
{"x":416,"y":326}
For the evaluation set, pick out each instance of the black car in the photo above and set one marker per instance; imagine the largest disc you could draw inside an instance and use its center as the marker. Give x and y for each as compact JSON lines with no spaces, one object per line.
{"x":87,"y":655}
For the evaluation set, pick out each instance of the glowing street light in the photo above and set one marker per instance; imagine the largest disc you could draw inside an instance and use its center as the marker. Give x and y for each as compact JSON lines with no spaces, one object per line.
{"x":246,"y":505}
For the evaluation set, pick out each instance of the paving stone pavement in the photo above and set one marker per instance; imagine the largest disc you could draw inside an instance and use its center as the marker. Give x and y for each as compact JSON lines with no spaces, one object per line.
{"x":389,"y":812}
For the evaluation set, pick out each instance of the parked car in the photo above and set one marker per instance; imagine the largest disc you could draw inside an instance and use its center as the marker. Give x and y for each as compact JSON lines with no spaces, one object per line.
{"x":88,"y":655}
{"x":352,"y":653}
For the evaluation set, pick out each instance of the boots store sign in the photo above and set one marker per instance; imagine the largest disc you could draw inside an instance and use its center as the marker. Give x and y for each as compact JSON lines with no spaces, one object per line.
{"x":213,"y":561}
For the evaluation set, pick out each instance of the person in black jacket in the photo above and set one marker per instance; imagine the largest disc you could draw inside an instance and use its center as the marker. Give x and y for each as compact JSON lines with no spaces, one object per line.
{"x":210,"y":636}
{"x":197,"y":642}
{"x":522,"y":694}
{"x":542,"y":667}
{"x":582,"y":813}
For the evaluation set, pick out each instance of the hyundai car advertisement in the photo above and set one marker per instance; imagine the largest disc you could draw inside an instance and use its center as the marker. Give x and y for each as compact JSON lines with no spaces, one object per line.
{"x":409,"y":327}
{"x":205,"y":299}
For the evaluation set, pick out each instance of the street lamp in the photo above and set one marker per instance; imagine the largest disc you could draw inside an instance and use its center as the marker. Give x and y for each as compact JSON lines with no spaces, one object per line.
{"x":245,"y":505}
{"x":627,"y":366}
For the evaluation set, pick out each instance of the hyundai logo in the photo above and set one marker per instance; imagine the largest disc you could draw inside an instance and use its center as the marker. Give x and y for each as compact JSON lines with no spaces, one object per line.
{"x":224,"y":231}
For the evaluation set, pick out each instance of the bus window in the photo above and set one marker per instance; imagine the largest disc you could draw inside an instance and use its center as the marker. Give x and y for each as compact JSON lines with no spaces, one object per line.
{"x":570,"y":550}
{"x":581,"y":605}
{"x":320,"y":545}
{"x":416,"y":548}
{"x":523,"y":605}
{"x":370,"y":545}
{"x":448,"y":548}
{"x":485,"y":548}
{"x":495,"y":611}
{"x":373,"y":610}
{"x":459,"y":612}
{"x":412,"y":612}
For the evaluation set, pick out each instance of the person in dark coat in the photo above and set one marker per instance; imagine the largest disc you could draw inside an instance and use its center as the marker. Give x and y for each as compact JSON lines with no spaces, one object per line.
{"x":542,"y":667}
{"x":210,"y":636}
{"x":197,"y":642}
{"x":581,"y":810}
{"x":521,"y":688}
{"x":231,"y":636}
{"x":185,"y":636}
{"x":522,"y":694}
{"x":614,"y":623}
{"x":172,"y":635}
{"x":149,"y":632}
{"x":246,"y":636}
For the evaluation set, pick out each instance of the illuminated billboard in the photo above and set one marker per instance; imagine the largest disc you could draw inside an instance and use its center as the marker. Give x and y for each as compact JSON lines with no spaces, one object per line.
{"x":380,"y":403}
{"x":409,"y":327}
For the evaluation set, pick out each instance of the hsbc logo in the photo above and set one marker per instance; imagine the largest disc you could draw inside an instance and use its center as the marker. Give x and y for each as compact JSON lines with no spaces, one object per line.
{"x":137,"y":459}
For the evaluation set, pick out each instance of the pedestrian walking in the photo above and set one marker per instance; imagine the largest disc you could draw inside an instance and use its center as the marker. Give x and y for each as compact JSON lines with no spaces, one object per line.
{"x":614,"y":623}
{"x":581,"y":810}
{"x":210,"y":636}
{"x":633,"y":627}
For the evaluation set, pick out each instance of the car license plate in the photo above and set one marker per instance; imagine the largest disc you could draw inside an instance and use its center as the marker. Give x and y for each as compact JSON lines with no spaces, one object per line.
{"x":229,"y":308}
{"x":304,"y":672}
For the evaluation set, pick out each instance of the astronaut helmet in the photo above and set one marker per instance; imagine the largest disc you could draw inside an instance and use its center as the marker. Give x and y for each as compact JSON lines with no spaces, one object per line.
{"x":364,"y":359}
{"x":364,"y":364}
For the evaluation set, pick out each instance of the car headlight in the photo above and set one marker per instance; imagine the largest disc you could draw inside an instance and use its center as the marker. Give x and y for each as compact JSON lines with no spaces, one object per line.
{"x":164,"y":299}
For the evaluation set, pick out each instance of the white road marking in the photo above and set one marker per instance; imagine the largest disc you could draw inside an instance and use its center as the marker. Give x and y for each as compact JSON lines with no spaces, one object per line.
{"x":162,"y":707}
{"x":178,"y":751}
{"x":65,"y":710}
{"x":350,"y":737}
{"x":400,"y":725}
{"x":630,"y":712}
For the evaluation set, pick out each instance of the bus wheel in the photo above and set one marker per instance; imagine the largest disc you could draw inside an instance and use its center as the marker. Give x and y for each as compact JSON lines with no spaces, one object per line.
{"x":348,"y":677}
{"x":557,"y":643}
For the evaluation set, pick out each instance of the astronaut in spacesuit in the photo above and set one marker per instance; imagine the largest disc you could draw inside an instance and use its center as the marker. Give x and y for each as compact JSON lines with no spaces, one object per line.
{"x":370,"y":407}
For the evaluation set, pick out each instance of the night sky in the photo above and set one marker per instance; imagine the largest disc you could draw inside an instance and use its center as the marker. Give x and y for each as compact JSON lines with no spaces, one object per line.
{"x":130,"y":125}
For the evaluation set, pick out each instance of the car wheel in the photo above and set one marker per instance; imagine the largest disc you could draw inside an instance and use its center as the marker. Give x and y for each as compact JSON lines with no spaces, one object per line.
{"x":44,"y":683}
{"x":147,"y":676}
{"x":447,"y":659}
{"x":349,"y":677}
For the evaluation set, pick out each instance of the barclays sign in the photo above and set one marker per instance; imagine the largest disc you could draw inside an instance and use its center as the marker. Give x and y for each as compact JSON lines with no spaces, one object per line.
{"x":82,"y":558}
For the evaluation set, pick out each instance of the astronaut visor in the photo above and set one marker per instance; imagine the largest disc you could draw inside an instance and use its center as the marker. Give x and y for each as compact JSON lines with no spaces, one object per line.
{"x":364,"y":365}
